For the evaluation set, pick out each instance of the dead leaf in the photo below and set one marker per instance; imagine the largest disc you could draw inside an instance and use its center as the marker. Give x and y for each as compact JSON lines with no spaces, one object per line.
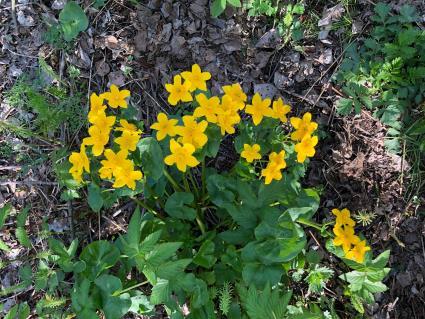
{"x":266,"y":90}
{"x":102,"y":68}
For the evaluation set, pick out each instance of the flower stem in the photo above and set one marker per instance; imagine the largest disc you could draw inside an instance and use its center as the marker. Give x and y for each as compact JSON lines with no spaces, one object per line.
{"x":172,"y":181}
{"x":130,"y":288}
{"x":310,"y":223}
{"x":199,"y":221}
{"x":147,"y":207}
{"x":203,"y":178}
{"x":195,"y":186}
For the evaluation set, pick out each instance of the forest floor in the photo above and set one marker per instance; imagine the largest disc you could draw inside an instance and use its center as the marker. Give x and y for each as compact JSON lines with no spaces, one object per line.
{"x":140,"y":47}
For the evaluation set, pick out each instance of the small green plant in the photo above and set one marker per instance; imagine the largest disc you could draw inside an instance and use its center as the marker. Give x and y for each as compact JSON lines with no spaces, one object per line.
{"x":218,"y":6}
{"x":72,"y":20}
{"x":386,"y":72}
{"x":285,"y":16}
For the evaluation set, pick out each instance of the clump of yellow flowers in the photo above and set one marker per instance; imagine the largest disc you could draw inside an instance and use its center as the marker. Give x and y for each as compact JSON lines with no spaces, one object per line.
{"x":225,"y":112}
{"x":354,"y":248}
{"x":187,"y":137}
{"x":116,"y":166}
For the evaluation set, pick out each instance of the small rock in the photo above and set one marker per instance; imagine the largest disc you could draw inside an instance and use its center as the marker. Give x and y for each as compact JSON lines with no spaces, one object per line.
{"x":279,"y":80}
{"x":404,"y":279}
{"x":326,"y":57}
{"x":271,"y":39}
{"x":58,"y":4}
{"x":116,"y":78}
{"x":102,"y":68}
{"x":25,"y":21}
{"x":266,"y":90}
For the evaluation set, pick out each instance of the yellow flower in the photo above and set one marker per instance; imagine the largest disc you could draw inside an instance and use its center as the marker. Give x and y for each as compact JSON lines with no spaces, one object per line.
{"x":358,"y":251}
{"x":278,"y":159}
{"x":271,"y":172}
{"x":303,"y":127}
{"x":164,"y":126}
{"x":96,"y":106}
{"x":116,"y":97}
{"x":128,"y":141}
{"x":98,"y":138}
{"x":274,"y":167}
{"x":259,"y":108}
{"x":181,"y":155}
{"x":112,"y":163}
{"x":128,"y":127}
{"x":345,"y":237}
{"x":228,"y":105}
{"x":193,"y":132}
{"x":226,"y":121}
{"x":80,"y":163}
{"x":236,"y":93}
{"x":305,"y":148}
{"x":102,"y":121}
{"x":178,"y":91}
{"x":127,"y":176}
{"x":280,"y":110}
{"x":208,"y":107}
{"x":343,"y":217}
{"x":251,"y":153}
{"x":197,"y":78}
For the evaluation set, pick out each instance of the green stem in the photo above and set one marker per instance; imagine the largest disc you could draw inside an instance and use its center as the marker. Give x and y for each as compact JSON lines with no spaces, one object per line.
{"x":203,"y":178}
{"x":130,"y":288}
{"x":310,"y":223}
{"x":147,"y":207}
{"x":195,"y":186}
{"x":173,"y":182}
{"x":199,"y":221}
{"x":157,"y":198}
{"x":186,"y":184}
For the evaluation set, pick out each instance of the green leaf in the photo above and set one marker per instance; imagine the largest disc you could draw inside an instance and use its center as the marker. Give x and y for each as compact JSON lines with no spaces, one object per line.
{"x":151,"y":157}
{"x":298,"y":8}
{"x":94,"y":197}
{"x":263,"y":304}
{"x":177,"y":206}
{"x":73,"y":20}
{"x":357,"y":303}
{"x":235,"y":3}
{"x":22,"y":217}
{"x":161,"y":253}
{"x":3,"y":246}
{"x":172,"y":269}
{"x":205,"y":255}
{"x":380,"y":261}
{"x":408,"y":14}
{"x":259,"y":275}
{"x":287,"y":20}
{"x":99,"y":256}
{"x":4,"y":211}
{"x":344,"y":106}
{"x":22,"y":237}
{"x":374,"y":287}
{"x":114,"y":305}
{"x":160,"y":292}
{"x":217,"y":7}
{"x":82,"y":301}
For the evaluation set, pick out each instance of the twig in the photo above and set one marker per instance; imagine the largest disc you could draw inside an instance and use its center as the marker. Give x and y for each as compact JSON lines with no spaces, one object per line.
{"x":10,"y":183}
{"x":13,"y":9}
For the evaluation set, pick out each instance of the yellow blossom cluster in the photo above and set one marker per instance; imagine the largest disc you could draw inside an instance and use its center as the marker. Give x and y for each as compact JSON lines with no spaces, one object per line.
{"x":186,"y":139}
{"x":354,"y":248}
{"x":116,"y":164}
